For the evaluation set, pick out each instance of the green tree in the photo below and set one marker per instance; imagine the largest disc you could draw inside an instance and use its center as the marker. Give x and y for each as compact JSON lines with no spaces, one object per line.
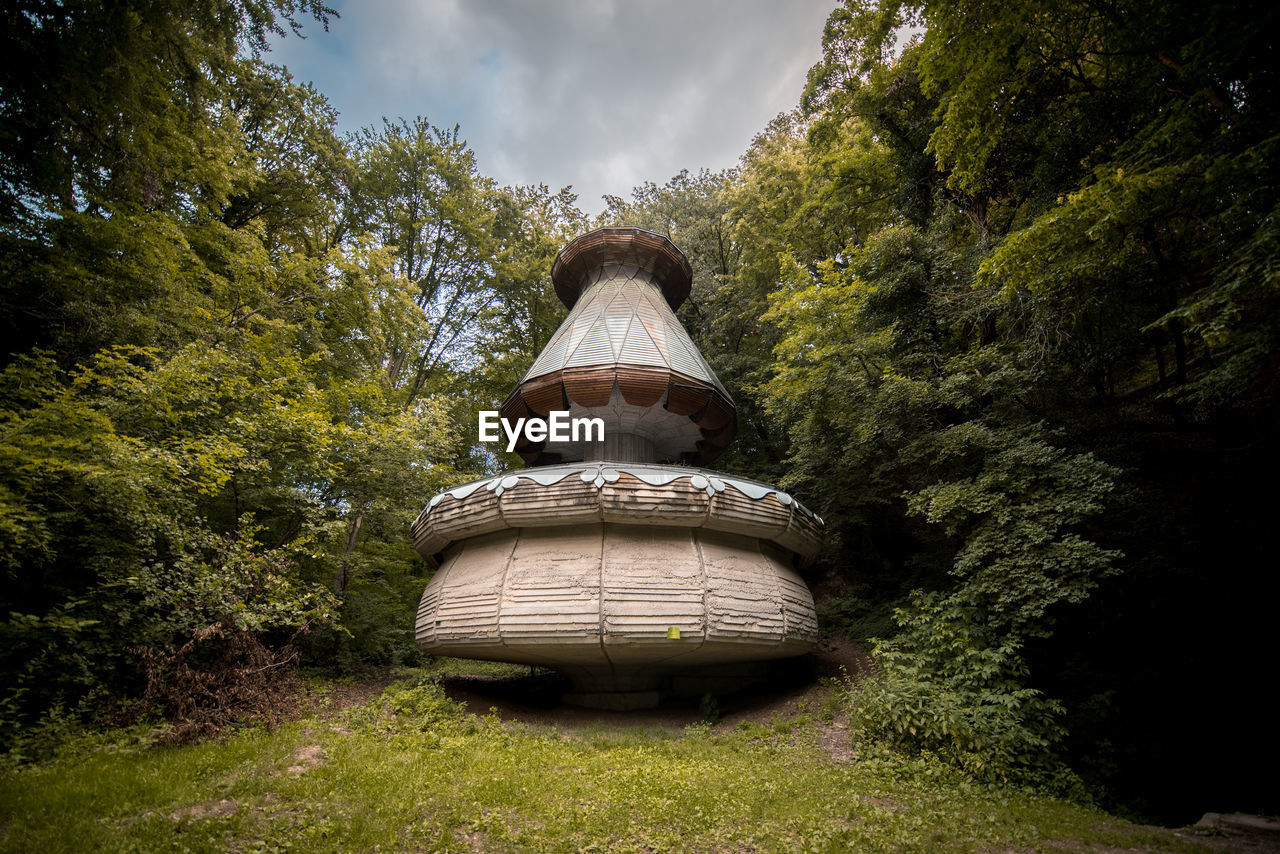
{"x":419,"y":194}
{"x":1011,"y":402}
{"x":532,"y":225}
{"x":202,"y":441}
{"x":124,"y":103}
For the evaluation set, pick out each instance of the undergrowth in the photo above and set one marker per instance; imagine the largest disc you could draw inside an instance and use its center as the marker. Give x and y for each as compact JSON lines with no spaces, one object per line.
{"x":412,"y":770}
{"x":950,"y":688}
{"x":222,"y":676}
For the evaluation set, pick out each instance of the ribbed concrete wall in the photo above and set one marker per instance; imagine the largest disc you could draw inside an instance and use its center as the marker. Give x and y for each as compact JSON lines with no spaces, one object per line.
{"x":589,"y":597}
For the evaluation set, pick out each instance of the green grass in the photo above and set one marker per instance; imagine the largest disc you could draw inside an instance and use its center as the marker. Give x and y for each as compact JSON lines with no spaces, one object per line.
{"x":411,"y":772}
{"x":440,"y":666}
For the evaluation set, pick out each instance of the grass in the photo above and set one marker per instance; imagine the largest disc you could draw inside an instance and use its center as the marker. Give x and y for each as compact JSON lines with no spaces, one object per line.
{"x":410,"y":771}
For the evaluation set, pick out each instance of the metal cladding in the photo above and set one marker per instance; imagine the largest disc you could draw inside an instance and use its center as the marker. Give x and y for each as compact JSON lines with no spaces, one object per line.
{"x":629,"y":247}
{"x":623,"y":356}
{"x":618,"y":562}
{"x":616,"y":606}
{"x":667,"y":496}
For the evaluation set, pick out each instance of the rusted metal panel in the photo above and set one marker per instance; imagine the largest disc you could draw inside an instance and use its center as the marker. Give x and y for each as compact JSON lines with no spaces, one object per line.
{"x":590,"y":387}
{"x":716,"y":416}
{"x":544,"y":395}
{"x":685,"y":399}
{"x":642,"y":387}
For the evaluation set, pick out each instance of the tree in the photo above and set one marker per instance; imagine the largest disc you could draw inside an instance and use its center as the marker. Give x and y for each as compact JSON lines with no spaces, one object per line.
{"x":122,"y":150}
{"x":418,"y":192}
{"x":123,"y":103}
{"x":1013,"y":402}
{"x":196,"y":401}
{"x":532,"y":225}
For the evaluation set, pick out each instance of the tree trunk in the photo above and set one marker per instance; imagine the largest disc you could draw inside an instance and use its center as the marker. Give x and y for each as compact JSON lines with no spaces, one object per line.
{"x":353,"y":538}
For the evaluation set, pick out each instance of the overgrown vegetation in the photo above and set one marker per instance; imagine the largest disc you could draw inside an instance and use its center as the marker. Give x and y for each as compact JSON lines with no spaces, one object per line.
{"x":412,"y":770}
{"x":1000,"y":303}
{"x":234,"y":349}
{"x":949,"y":689}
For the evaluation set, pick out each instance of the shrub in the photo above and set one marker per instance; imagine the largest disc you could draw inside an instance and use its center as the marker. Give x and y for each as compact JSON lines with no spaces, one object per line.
{"x":949,"y":686}
{"x":407,"y":707}
{"x":222,"y":675}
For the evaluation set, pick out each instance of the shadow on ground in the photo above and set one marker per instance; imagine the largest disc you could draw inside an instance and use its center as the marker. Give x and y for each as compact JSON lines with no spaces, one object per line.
{"x":536,"y":698}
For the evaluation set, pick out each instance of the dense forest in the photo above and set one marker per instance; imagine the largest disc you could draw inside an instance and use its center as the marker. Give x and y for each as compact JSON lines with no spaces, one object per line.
{"x":1001,"y":303}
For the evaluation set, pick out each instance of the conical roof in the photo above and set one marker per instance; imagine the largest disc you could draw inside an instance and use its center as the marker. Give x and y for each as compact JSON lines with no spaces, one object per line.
{"x":577,"y":262}
{"x":621,"y":351}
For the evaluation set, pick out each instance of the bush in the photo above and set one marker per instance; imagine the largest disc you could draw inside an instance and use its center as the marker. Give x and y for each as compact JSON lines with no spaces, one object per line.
{"x":408,"y":707}
{"x":222,"y":675}
{"x":949,"y":687}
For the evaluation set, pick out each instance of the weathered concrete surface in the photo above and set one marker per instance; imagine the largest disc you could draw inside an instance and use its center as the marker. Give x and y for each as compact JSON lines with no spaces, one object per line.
{"x":615,"y":560}
{"x":616,"y":606}
{"x":638,"y":494}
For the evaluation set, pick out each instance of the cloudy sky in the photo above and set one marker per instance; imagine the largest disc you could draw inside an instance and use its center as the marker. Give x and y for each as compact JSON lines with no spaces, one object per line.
{"x":600,"y":94}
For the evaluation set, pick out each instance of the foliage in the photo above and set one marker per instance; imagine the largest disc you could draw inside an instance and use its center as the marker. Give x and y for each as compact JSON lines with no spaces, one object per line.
{"x":1050,"y":305}
{"x":222,"y":675}
{"x":127,"y":445}
{"x":951,"y":687}
{"x":419,"y":707}
{"x":124,"y":101}
{"x":433,"y":780}
{"x":891,"y":420}
{"x":531,"y":225}
{"x":234,"y":348}
{"x":924,"y":436}
{"x":419,"y":194}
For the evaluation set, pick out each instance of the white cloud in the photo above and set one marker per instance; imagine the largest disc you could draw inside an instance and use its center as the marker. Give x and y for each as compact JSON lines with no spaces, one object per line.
{"x":600,"y":95}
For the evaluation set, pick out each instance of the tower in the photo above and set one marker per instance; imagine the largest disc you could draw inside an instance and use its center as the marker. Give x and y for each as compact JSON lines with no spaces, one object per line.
{"x":619,"y":561}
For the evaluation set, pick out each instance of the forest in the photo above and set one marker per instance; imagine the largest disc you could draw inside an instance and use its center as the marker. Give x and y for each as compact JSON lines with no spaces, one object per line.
{"x":1002,"y":304}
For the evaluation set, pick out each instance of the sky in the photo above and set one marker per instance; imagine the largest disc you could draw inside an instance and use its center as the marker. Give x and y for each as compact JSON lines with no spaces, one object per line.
{"x":599,"y":94}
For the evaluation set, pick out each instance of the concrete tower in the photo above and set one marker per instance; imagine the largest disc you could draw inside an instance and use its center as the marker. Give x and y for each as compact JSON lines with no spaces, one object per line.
{"x":619,"y":562}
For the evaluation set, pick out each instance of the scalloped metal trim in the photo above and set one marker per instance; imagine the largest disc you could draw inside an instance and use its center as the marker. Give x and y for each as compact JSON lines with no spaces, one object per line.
{"x":801,"y":534}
